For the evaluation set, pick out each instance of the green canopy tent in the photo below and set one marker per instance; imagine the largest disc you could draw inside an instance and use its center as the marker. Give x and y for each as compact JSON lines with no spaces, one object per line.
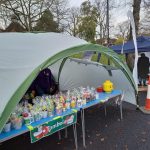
{"x":24,"y":55}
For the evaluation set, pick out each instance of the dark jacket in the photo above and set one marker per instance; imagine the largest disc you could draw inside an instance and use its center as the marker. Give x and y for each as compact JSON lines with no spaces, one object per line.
{"x":44,"y":83}
{"x":143,"y":67}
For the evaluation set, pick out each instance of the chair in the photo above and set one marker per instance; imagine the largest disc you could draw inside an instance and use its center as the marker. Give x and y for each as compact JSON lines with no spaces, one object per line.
{"x":118,"y":101}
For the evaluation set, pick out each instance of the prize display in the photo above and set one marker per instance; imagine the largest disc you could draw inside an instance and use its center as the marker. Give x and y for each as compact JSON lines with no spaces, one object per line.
{"x":53,"y":105}
{"x":48,"y":106}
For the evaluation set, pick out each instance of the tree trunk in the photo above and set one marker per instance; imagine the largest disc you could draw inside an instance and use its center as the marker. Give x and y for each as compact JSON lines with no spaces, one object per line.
{"x":136,"y":16}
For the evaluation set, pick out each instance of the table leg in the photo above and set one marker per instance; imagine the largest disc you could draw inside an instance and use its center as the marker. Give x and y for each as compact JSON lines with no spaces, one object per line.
{"x":59,"y":135}
{"x":75,"y":135}
{"x":83,"y":127}
{"x":66,"y":133}
{"x":105,"y":109}
{"x":121,"y":115}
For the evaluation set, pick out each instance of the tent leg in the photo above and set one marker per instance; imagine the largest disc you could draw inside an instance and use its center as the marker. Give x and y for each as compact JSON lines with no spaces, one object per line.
{"x":137,"y":101}
{"x":75,"y":135}
{"x":66,"y":133}
{"x":59,"y":135}
{"x":83,"y":127}
{"x":105,"y":110}
{"x":121,"y":115}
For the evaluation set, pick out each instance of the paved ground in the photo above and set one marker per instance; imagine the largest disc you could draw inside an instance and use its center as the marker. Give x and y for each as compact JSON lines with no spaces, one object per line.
{"x":102,"y":133}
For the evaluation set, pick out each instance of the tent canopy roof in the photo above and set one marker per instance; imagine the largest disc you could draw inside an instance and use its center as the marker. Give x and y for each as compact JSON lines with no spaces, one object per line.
{"x":143,"y":45}
{"x":24,"y":55}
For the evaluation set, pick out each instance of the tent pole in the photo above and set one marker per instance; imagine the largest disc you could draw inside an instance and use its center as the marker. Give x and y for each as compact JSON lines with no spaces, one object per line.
{"x":137,"y":101}
{"x":60,"y":68}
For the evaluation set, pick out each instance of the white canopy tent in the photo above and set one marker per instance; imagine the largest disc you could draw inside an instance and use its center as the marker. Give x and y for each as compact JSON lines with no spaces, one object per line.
{"x":24,"y":55}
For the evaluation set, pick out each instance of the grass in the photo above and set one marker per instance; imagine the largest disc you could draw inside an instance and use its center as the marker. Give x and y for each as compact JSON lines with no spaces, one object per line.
{"x":79,"y":55}
{"x":103,"y":59}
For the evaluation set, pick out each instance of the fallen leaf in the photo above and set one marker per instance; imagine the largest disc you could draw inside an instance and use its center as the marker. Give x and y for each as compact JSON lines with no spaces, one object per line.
{"x":102,"y":139}
{"x":98,"y":134}
{"x":143,"y":140}
{"x":58,"y":143}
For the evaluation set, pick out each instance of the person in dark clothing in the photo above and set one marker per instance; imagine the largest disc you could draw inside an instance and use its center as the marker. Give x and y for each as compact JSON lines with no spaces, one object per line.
{"x":45,"y":83}
{"x":143,"y":69}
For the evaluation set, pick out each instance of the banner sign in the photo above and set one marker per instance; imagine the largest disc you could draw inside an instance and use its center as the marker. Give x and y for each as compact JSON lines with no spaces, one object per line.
{"x":52,"y":126}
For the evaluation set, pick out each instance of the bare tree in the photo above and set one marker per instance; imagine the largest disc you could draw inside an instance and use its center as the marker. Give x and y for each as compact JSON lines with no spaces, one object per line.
{"x":60,"y":11}
{"x":136,"y":15}
{"x":101,"y":18}
{"x":101,"y":6}
{"x":123,"y":30}
{"x":146,"y":4}
{"x":27,"y":12}
{"x":2,"y":1}
{"x":73,"y":21}
{"x":145,"y":21}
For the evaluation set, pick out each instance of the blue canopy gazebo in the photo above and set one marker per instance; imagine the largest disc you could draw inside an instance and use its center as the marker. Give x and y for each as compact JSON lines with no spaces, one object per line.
{"x":143,"y":45}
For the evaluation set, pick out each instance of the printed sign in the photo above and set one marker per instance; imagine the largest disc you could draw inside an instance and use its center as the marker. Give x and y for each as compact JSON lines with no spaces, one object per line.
{"x":53,"y":126}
